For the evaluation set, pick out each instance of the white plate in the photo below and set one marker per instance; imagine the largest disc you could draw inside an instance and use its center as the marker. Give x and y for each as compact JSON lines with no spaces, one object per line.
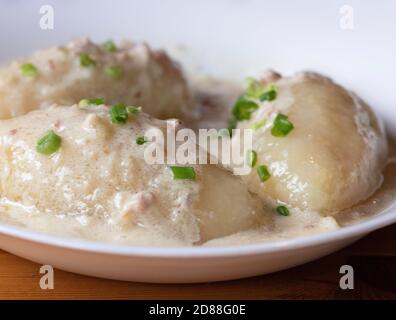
{"x":232,"y":38}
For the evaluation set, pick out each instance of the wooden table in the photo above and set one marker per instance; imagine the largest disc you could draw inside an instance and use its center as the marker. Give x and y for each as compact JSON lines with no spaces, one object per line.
{"x":373,"y":259}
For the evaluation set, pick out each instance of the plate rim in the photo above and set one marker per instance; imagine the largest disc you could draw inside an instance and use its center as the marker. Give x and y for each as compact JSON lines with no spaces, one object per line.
{"x":382,"y":219}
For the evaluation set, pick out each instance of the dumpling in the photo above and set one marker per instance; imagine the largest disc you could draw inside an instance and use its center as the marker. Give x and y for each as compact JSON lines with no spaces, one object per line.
{"x":96,"y":170}
{"x":318,"y":147}
{"x":132,"y":73}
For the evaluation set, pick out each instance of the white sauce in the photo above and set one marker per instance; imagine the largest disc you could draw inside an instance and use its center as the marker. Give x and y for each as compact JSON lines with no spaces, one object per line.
{"x":214,"y":99}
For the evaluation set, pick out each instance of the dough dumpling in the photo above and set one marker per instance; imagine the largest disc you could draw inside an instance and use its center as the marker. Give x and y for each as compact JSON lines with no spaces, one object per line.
{"x":334,"y":156}
{"x":100,"y":174}
{"x":132,"y":74}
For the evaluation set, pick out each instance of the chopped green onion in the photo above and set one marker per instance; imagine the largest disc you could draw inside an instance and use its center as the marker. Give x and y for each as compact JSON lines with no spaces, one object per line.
{"x":243,"y":108}
{"x":49,"y":143}
{"x":29,"y":70}
{"x":269,"y":93}
{"x":251,"y":158}
{"x":90,"y":102}
{"x":114,"y":72}
{"x":283,"y":211}
{"x":118,"y":114}
{"x":134,"y":110}
{"x":86,"y":60}
{"x":282,"y":126}
{"x":183,"y":173}
{"x":254,"y":88}
{"x":232,"y":124}
{"x":263,"y":173}
{"x":141,"y":140}
{"x":258,"y":125}
{"x":257,"y":90}
{"x":110,"y":46}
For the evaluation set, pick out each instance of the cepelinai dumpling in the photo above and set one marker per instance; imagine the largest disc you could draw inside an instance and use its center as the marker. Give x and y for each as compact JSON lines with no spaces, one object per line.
{"x":132,"y":74}
{"x":318,"y":146}
{"x":75,"y":161}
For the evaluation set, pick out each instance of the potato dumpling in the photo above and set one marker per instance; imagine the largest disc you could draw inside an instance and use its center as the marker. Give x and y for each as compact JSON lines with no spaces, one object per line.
{"x":322,"y":146}
{"x":132,"y":74}
{"x":96,"y":170}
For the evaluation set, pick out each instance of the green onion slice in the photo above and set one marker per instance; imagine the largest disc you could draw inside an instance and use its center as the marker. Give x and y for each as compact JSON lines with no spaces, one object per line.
{"x":110,"y":46}
{"x":270,"y":93}
{"x":118,"y":114}
{"x":134,"y":110}
{"x":251,"y":158}
{"x":254,"y":88}
{"x":232,"y":124}
{"x":258,"y":125}
{"x":243,"y":108}
{"x":141,"y":140}
{"x":263,"y":173}
{"x":283,"y":211}
{"x":90,"y":102}
{"x":257,"y":90}
{"x":282,"y":126}
{"x":114,"y":72}
{"x":29,"y":70}
{"x":183,"y":173}
{"x":86,"y":60}
{"x":49,"y":143}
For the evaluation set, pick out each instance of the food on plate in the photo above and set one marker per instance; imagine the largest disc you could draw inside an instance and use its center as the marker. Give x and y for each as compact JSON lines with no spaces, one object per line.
{"x":88,"y":163}
{"x":316,"y":145}
{"x":129,"y":73}
{"x":74,"y":149}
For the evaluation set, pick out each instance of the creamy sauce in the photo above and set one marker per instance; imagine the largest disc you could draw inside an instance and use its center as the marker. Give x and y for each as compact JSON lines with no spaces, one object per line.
{"x":299,"y":223}
{"x":214,"y":99}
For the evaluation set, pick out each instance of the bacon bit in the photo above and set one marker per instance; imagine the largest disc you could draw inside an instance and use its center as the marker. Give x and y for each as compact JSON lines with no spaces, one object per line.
{"x":13,"y":132}
{"x":138,"y":94}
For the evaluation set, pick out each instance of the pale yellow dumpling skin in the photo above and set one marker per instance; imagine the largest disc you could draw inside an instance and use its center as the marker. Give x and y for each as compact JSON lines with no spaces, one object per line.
{"x":100,"y":176}
{"x":145,"y":77}
{"x":334,"y":156}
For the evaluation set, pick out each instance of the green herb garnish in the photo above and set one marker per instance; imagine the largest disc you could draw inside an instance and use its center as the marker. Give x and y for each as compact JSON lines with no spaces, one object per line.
{"x":232,"y":124}
{"x":141,"y":140}
{"x":243,"y":108}
{"x":282,"y":126}
{"x":49,"y":144}
{"x":183,"y":173}
{"x":251,"y":158}
{"x":29,"y":70}
{"x":86,"y":60}
{"x":254,"y":88}
{"x":90,"y":102}
{"x":134,"y":110}
{"x":257,"y":90}
{"x":114,"y":72}
{"x":110,"y":46}
{"x":263,"y":173}
{"x":118,"y":114}
{"x":283,"y":211}
{"x":269,"y":93}
{"x":258,"y":125}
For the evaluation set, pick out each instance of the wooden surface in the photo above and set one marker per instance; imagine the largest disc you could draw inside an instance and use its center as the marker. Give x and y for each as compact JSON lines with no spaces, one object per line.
{"x":373,"y":260}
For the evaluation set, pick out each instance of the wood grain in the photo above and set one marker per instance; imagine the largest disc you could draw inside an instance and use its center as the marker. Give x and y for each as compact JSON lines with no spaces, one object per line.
{"x":373,"y":259}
